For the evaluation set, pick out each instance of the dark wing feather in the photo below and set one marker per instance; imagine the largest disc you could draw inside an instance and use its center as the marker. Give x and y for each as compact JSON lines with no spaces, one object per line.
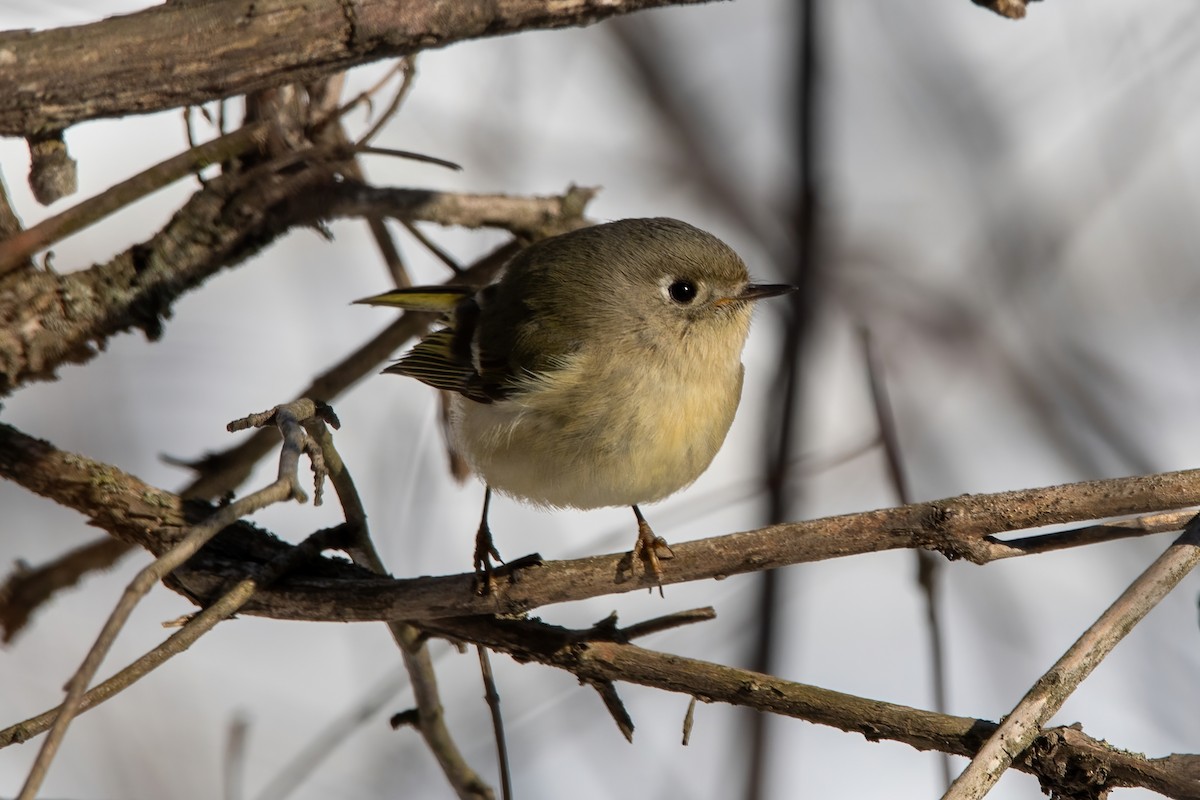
{"x":443,"y":358}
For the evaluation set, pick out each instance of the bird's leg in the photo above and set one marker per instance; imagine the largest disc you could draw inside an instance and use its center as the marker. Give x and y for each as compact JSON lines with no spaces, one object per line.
{"x":650,"y":548}
{"x":485,"y":549}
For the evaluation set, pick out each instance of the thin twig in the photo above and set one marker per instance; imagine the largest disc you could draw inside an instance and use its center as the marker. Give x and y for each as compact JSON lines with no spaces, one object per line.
{"x":800,"y":259}
{"x":430,"y":716}
{"x":493,"y":702}
{"x":234,"y":777}
{"x":689,"y":719}
{"x":285,"y":487}
{"x":407,"y":65}
{"x":1024,"y":723}
{"x":667,"y":622}
{"x":411,"y":155}
{"x":198,"y":625}
{"x":441,"y":254}
{"x":17,"y":249}
{"x":928,"y":565}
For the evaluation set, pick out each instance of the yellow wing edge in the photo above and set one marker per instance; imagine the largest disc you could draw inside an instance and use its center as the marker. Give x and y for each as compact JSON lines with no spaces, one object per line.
{"x":439,"y":299}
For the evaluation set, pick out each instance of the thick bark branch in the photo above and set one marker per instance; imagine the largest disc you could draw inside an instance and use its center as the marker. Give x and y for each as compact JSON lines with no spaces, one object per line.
{"x":331,"y":591}
{"x":179,"y":54}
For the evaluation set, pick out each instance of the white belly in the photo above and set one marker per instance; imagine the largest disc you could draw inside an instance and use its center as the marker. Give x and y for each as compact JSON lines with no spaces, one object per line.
{"x":556,"y":446}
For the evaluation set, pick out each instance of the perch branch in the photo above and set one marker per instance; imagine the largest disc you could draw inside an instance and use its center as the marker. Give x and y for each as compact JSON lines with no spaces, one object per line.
{"x":963,"y":526}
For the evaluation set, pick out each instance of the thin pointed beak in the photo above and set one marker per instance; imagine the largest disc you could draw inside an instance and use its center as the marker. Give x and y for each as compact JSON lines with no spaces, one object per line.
{"x":757,"y":291}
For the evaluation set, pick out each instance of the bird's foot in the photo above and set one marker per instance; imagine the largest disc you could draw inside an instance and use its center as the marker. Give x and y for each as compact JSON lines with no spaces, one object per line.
{"x":485,"y":551}
{"x":651,"y":549}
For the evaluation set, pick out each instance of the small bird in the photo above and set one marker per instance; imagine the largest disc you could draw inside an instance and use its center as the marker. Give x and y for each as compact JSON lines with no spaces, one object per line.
{"x":603,"y":368}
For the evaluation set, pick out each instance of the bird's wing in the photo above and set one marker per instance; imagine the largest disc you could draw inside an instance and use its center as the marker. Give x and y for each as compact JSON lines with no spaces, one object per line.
{"x":443,"y":358}
{"x":438,"y":299}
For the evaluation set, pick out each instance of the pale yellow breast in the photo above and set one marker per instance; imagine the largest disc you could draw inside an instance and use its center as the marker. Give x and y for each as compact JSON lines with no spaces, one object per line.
{"x":608,"y":429}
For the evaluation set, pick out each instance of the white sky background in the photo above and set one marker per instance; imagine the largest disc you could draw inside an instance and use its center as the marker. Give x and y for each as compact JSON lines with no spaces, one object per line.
{"x":1010,"y":206}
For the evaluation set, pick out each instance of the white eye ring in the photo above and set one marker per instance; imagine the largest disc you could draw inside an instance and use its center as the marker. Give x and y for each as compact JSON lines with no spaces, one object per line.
{"x":682,"y":291}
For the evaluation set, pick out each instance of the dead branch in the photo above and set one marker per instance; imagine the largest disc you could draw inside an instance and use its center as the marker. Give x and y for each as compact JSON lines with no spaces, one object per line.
{"x":47,"y":319}
{"x":963,"y":526}
{"x":285,"y":487}
{"x":53,"y":79}
{"x":1059,"y":756}
{"x":1024,"y":723}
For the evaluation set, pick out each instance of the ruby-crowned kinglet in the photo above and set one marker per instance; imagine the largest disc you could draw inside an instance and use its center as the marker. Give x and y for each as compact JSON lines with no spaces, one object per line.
{"x":603,"y":368}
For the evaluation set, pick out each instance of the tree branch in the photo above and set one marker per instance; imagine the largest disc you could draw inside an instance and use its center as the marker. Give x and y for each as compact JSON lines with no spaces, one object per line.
{"x":56,"y":78}
{"x":285,"y":487}
{"x":961,"y":526}
{"x":1024,"y":723}
{"x":1059,"y":757}
{"x":48,"y":319}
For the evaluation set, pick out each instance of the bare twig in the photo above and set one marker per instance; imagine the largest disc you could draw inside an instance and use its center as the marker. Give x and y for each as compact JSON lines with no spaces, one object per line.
{"x":199,"y":624}
{"x":438,"y":252}
{"x":613,"y":705}
{"x":689,"y":718}
{"x":408,"y":67}
{"x":1024,"y":723}
{"x":1057,"y":753}
{"x":430,"y":719}
{"x":492,"y":697}
{"x":284,"y":488}
{"x":16,"y":250}
{"x":302,"y":765}
{"x":800,"y":260}
{"x":235,"y":758}
{"x":531,"y":217}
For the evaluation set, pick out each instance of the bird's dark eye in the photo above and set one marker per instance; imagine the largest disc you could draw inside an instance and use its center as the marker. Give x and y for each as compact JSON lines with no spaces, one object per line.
{"x":682,"y":291}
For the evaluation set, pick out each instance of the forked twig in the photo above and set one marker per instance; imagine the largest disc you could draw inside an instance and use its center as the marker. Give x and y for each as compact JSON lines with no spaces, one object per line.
{"x":430,"y":719}
{"x":285,"y":487}
{"x":1024,"y":723}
